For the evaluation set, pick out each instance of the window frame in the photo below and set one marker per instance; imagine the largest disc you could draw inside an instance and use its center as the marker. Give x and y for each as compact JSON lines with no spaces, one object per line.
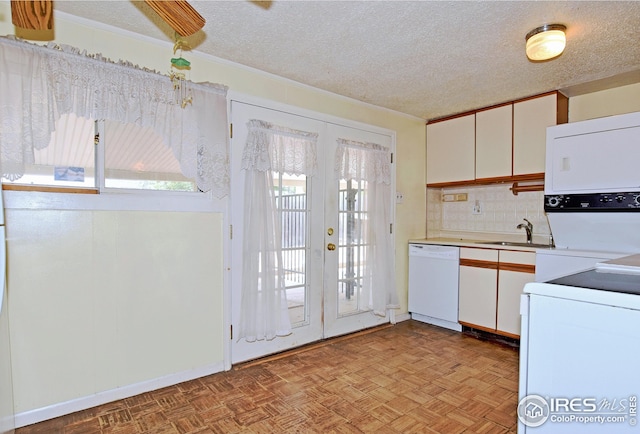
{"x":23,"y":196}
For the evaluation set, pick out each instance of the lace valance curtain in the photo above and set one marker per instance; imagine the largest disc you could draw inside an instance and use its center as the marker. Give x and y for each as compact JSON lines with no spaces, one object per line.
{"x":359,"y":161}
{"x":269,"y":149}
{"x":370,"y":164}
{"x":39,"y":84}
{"x":280,"y":149}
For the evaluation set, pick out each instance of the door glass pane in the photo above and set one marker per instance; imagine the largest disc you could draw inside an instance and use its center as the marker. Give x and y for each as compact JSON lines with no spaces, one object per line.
{"x":352,"y":242}
{"x":291,"y":197}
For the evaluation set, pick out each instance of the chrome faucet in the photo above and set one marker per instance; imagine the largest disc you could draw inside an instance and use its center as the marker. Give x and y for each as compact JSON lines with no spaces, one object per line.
{"x":527,"y":227}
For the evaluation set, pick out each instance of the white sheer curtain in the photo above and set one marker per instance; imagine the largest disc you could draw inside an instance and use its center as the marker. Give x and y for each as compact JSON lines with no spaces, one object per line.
{"x":269,"y":149}
{"x":39,"y":84}
{"x":371,"y":163}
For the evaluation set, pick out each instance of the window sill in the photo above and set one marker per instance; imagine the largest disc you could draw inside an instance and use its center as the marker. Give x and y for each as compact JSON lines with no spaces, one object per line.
{"x":44,"y":189}
{"x":32,"y":197}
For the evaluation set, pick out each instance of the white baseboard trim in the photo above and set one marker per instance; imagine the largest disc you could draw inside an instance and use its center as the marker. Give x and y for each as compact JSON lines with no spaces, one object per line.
{"x":63,"y":408}
{"x":403,"y":317}
{"x":455,"y":326}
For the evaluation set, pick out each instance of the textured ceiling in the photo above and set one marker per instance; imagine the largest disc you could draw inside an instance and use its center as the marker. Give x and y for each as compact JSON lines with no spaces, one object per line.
{"x":425,"y":58}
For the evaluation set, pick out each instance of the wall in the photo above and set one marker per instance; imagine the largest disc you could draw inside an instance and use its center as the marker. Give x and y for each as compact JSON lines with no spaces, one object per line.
{"x":619,"y":100}
{"x":92,"y":313}
{"x":105,"y":299}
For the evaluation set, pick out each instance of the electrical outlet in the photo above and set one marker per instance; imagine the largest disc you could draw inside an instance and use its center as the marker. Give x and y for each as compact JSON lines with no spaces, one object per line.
{"x":399,"y":197}
{"x":476,"y":208}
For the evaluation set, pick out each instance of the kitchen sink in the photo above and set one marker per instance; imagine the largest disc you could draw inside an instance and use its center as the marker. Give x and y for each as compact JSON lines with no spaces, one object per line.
{"x":514,"y":244}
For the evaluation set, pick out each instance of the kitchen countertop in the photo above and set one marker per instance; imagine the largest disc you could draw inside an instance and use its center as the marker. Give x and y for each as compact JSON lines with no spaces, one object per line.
{"x":462,"y":242}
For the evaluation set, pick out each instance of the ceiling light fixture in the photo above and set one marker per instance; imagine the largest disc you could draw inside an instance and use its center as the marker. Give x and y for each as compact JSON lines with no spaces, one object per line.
{"x":546,"y":42}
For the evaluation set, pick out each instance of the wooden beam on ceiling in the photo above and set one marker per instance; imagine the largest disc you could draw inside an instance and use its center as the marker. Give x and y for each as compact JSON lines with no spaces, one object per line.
{"x":32,"y":15}
{"x":179,"y":14}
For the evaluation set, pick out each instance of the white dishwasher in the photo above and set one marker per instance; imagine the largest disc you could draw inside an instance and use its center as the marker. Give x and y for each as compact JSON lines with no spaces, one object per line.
{"x":433,"y":284}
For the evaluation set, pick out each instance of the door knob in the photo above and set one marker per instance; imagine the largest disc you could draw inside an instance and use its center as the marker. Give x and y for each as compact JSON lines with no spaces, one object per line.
{"x":331,"y":246}
{"x":330,"y":231}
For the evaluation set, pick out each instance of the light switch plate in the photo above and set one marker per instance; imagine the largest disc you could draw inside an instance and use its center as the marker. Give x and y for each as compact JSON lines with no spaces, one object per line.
{"x":454,"y":197}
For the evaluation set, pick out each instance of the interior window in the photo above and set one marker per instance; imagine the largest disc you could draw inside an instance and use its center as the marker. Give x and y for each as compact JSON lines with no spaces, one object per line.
{"x":136,"y":158}
{"x":68,"y":160}
{"x":131,"y":157}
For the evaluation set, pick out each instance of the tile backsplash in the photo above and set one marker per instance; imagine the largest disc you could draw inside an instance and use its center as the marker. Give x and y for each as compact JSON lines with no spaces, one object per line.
{"x":500,"y":211}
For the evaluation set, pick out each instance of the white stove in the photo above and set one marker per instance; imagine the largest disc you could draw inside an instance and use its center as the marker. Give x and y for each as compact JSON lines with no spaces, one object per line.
{"x":579,"y":348}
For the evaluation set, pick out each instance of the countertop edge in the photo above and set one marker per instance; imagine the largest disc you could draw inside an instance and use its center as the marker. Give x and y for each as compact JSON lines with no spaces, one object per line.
{"x":481,"y":244}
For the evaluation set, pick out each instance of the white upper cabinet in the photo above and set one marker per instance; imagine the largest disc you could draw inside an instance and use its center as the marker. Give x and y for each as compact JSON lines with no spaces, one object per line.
{"x":530,"y":121}
{"x":451,"y":150}
{"x":493,"y":142}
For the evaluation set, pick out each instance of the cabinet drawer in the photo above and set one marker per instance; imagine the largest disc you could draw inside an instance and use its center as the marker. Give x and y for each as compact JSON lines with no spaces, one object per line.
{"x":490,"y":255}
{"x":515,"y":257}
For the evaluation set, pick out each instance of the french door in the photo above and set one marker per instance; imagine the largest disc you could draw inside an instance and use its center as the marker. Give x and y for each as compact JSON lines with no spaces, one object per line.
{"x":346,"y":220}
{"x":323,"y":237}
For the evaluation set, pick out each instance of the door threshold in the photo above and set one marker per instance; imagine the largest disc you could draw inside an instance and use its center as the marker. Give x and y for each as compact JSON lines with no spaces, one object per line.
{"x":308,"y":347}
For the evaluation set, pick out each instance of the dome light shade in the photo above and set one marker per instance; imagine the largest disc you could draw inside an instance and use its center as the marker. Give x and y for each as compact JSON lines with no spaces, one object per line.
{"x":546,"y":42}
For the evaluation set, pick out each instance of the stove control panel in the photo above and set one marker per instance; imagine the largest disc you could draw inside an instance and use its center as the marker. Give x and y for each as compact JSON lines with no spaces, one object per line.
{"x":592,"y":202}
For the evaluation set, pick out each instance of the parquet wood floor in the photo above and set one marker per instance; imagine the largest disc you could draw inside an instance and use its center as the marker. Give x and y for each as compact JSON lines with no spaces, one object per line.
{"x":407,"y":378}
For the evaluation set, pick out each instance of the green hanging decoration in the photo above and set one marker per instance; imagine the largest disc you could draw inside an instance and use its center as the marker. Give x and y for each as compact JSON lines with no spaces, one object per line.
{"x":178,"y":78}
{"x":180,"y":63}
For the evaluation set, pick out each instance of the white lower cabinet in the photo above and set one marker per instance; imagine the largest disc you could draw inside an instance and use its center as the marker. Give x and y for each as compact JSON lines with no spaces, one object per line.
{"x":510,"y":285}
{"x":477,"y":287}
{"x":490,"y":285}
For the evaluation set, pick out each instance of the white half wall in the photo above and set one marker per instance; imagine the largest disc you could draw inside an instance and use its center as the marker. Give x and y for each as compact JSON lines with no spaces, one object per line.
{"x":101,"y":300}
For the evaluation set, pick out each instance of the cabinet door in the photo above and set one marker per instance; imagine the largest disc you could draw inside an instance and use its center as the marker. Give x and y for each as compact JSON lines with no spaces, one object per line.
{"x":530,"y":121}
{"x":515,"y":270}
{"x":494,"y":142}
{"x":450,"y":150}
{"x":477,"y":296}
{"x":510,"y":286}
